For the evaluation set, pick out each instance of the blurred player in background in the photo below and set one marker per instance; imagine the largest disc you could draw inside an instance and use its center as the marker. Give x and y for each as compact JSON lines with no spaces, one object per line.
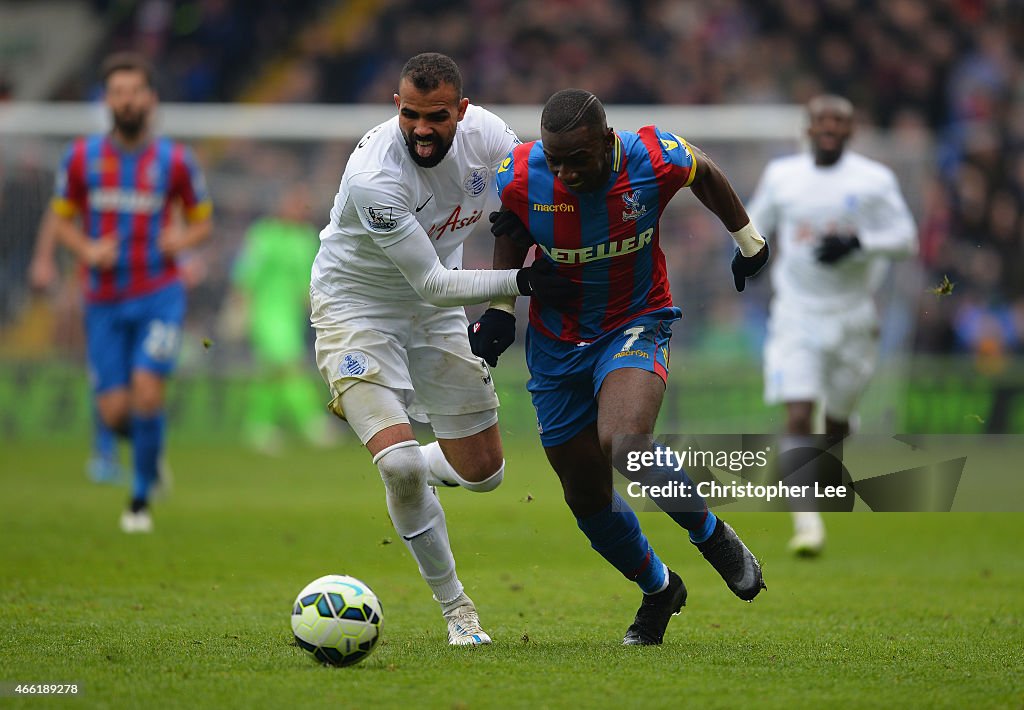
{"x":272,"y":295}
{"x":391,"y":338}
{"x":114,"y":201}
{"x":104,"y":464}
{"x":591,"y":198}
{"x":839,"y":217}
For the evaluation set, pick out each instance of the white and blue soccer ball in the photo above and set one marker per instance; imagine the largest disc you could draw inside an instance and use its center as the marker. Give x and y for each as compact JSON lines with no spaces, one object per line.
{"x":337,"y":620}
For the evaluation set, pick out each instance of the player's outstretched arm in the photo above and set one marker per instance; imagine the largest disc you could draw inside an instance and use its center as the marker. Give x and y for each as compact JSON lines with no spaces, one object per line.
{"x":713,"y":189}
{"x":416,"y":259}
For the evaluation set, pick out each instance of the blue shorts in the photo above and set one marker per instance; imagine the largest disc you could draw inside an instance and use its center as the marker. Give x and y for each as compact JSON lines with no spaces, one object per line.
{"x":141,"y":333}
{"x":566,"y":377}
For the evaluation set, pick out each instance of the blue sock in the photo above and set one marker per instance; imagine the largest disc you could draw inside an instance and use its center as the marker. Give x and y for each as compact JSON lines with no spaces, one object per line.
{"x":147,"y":443}
{"x":701,"y":534}
{"x":690,"y":513}
{"x":615,"y":534}
{"x":104,"y":441}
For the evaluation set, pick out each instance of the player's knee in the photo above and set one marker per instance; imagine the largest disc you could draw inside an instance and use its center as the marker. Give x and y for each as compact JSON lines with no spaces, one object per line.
{"x":482,"y":466}
{"x":585,"y":497}
{"x":799,"y":424}
{"x":614,"y":444}
{"x":402,"y":468}
{"x":121,"y":424}
{"x":147,"y":407}
{"x":147,"y":400}
{"x":799,"y":418}
{"x":485,"y":483}
{"x":115,"y":413}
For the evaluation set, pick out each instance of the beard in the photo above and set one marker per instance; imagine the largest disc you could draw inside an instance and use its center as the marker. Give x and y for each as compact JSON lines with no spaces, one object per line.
{"x":440,"y":150}
{"x":130,"y":124}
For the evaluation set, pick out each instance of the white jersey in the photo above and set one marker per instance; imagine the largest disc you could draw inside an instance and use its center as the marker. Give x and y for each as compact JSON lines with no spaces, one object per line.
{"x":800,"y":202}
{"x":385,"y":197}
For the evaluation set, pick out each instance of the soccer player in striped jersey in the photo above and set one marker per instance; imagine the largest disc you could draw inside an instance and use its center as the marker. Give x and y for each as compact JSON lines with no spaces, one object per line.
{"x":590,"y":198}
{"x":116,"y":200}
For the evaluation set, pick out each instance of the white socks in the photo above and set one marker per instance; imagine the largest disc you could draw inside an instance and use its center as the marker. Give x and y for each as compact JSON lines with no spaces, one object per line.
{"x":418,"y":517}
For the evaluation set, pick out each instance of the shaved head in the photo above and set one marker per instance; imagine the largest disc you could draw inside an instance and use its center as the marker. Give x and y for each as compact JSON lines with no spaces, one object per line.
{"x":569,"y":108}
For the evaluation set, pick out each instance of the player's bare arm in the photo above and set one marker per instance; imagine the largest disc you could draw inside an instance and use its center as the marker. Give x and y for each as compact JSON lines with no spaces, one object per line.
{"x":177,"y":238}
{"x":715,"y":192}
{"x":713,"y":189}
{"x":510,"y":248}
{"x":42,"y":270}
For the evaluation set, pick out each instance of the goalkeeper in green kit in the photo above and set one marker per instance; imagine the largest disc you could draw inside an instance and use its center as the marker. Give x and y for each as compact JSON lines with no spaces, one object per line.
{"x":272,"y":280}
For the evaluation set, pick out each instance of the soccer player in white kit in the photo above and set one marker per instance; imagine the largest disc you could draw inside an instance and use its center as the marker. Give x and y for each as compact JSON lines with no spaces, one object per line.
{"x":839,"y":218}
{"x":386,"y":297}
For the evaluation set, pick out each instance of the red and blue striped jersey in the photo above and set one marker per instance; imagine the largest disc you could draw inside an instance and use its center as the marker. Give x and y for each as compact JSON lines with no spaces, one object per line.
{"x":607,"y":241}
{"x":130,"y":194}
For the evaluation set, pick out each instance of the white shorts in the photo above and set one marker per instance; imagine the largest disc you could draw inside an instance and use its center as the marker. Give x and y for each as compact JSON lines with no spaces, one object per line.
{"x":820,"y":357}
{"x":418,"y":350}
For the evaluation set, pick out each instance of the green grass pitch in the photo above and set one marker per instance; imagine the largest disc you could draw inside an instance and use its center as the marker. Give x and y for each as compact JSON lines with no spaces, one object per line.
{"x":902,"y":611}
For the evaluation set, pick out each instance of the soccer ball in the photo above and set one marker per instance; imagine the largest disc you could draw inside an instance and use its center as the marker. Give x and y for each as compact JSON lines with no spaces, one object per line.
{"x":337,"y":619}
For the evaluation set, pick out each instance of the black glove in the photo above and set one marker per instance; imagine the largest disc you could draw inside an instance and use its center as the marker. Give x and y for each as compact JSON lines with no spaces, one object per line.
{"x":492,"y":334}
{"x":743,"y":267}
{"x":835,"y":247}
{"x":543,"y":282}
{"x":507,"y":224}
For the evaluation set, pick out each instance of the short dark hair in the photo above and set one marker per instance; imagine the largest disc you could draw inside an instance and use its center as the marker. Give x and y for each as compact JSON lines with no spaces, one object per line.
{"x":429,"y":70}
{"x":569,"y":108}
{"x":127,"y":61}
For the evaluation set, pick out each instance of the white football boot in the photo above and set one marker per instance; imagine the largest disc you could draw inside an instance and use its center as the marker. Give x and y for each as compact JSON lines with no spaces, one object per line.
{"x":464,"y":625}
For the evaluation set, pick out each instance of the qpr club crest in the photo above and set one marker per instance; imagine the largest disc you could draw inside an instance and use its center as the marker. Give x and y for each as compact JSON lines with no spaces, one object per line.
{"x":353,"y":364}
{"x":380,"y":219}
{"x":476,"y":182}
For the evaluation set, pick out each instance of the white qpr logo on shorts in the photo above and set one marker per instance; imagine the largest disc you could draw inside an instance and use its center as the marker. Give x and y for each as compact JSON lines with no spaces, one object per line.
{"x":476,"y":182}
{"x":353,"y":365}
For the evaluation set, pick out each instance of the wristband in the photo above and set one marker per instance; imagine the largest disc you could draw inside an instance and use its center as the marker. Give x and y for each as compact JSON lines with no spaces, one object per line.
{"x":748,"y":240}
{"x":503,"y":303}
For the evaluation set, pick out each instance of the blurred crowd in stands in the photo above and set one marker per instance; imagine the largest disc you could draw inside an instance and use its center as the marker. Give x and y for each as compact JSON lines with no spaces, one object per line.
{"x":945,"y":77}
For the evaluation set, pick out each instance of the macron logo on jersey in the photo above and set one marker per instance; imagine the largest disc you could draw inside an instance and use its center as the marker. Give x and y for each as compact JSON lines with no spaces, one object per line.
{"x":600,"y":251}
{"x":560,"y":207}
{"x":112,"y":199}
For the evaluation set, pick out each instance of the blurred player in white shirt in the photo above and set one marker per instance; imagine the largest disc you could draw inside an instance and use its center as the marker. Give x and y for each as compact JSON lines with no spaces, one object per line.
{"x":838,"y":218}
{"x":386,"y":297}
